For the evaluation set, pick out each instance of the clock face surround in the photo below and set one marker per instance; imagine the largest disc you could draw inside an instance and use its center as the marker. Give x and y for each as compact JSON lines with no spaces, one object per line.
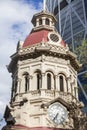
{"x":57,"y":113}
{"x":54,"y":38}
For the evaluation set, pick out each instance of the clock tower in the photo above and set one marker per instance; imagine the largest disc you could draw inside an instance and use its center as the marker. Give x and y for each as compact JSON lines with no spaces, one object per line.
{"x":44,"y":93}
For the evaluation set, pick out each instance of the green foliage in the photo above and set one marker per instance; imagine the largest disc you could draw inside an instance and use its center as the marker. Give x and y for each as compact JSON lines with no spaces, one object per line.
{"x":81,"y":52}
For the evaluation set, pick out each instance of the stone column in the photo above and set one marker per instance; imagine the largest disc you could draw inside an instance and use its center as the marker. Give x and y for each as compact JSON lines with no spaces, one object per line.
{"x":37,"y":22}
{"x":30,"y":82}
{"x":50,"y":22}
{"x":18,"y":85}
{"x":65,"y":83}
{"x":76,"y":92}
{"x":73,"y":86}
{"x":69,"y":84}
{"x":43,"y":21}
{"x":44,"y":86}
{"x":56,"y":83}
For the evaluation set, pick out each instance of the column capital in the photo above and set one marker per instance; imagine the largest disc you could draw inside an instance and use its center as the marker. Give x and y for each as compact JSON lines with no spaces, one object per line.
{"x":19,"y":79}
{"x":56,"y":75}
{"x":30,"y":77}
{"x":43,"y":74}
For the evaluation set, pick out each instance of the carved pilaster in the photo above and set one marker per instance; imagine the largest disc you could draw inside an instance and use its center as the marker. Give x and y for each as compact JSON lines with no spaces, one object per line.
{"x":69,"y":85}
{"x":19,"y":85}
{"x":56,"y":83}
{"x":43,"y":81}
{"x":30,"y":82}
{"x":43,"y":20}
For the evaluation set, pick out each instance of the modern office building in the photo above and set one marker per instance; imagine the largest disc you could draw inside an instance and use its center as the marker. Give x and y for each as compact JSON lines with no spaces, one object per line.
{"x":71,"y":19}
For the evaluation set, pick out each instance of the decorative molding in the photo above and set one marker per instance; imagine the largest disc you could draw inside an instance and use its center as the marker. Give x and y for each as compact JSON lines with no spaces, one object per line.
{"x":47,"y":46}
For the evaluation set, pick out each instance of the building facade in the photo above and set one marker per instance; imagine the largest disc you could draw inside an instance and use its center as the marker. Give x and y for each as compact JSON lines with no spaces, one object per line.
{"x":71,"y":20}
{"x":44,"y":93}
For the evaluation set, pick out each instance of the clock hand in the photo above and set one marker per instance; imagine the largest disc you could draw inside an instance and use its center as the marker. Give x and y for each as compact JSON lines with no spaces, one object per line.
{"x":55,"y":116}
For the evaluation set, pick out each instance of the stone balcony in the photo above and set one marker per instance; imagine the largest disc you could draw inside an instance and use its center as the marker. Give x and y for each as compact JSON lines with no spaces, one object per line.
{"x":44,"y":94}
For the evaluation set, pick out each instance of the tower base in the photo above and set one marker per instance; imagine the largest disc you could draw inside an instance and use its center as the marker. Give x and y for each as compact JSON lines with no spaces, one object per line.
{"x":20,"y":127}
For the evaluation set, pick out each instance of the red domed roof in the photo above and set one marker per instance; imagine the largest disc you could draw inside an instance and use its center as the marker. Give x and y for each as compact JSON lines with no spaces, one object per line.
{"x":36,"y":37}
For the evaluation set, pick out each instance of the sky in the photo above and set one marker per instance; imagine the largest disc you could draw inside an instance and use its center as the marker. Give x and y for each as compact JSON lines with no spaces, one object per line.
{"x":15,"y":25}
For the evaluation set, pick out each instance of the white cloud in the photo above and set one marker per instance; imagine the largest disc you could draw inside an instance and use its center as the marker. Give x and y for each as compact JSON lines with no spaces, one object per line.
{"x":15,"y":24}
{"x":2,"y":105}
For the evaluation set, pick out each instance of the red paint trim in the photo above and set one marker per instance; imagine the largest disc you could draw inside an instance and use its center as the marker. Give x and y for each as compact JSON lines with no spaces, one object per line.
{"x":63,"y":43}
{"x":37,"y":128}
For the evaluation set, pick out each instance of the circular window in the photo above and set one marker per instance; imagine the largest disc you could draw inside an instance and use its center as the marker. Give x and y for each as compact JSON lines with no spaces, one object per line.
{"x":54,"y":37}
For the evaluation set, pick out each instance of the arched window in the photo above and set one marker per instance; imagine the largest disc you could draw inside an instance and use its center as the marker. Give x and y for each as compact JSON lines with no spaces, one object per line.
{"x":12,"y":92}
{"x":39,"y":80}
{"x":13,"y":89}
{"x":49,"y":81}
{"x":26,"y":81}
{"x":47,"y":21}
{"x":61,"y":83}
{"x":16,"y":84}
{"x":40,"y":21}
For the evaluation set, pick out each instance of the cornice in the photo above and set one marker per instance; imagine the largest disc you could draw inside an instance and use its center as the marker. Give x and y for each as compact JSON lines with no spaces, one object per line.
{"x":46,"y":27}
{"x":43,"y":46}
{"x":47,"y":49}
{"x":43,"y":13}
{"x":52,"y":50}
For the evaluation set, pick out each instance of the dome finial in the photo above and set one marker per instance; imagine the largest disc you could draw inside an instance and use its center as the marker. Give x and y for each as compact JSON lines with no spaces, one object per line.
{"x":44,"y":5}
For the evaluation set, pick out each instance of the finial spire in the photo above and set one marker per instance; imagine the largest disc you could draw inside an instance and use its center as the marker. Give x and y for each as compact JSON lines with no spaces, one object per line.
{"x":44,"y":5}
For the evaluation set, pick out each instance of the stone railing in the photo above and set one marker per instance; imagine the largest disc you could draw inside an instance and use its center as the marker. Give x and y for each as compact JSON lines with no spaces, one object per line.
{"x":51,"y":94}
{"x":46,"y":94}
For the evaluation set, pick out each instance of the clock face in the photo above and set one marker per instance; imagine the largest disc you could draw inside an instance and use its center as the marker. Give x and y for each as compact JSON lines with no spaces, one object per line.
{"x":57,"y":113}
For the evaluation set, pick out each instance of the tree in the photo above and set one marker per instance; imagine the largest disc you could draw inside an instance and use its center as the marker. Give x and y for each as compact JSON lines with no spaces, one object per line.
{"x":81,"y":52}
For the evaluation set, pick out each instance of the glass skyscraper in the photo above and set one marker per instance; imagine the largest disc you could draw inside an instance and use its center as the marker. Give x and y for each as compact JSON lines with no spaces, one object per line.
{"x":71,"y":18}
